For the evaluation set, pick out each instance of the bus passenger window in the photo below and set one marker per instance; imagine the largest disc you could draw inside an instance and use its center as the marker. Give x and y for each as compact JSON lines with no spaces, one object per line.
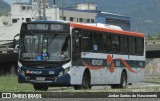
{"x":132,"y":46}
{"x":115,"y":44}
{"x":126,"y":45}
{"x":106,"y":40}
{"x":86,"y":41}
{"x":76,"y":41}
{"x":97,"y":42}
{"x":122,"y":44}
{"x":140,"y":46}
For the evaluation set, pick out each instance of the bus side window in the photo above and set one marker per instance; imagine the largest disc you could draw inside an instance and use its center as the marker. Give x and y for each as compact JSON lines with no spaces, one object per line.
{"x":76,"y":36}
{"x":106,"y":40}
{"x":97,"y":42}
{"x":86,"y":41}
{"x":115,"y":44}
{"x":140,"y":46}
{"x":132,"y":46}
{"x":122,"y":44}
{"x":126,"y":49}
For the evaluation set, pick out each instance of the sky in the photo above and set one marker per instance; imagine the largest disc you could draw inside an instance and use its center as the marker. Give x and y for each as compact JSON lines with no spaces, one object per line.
{"x":13,"y":1}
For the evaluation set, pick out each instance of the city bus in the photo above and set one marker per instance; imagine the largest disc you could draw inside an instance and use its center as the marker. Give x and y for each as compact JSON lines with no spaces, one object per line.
{"x":60,"y":53}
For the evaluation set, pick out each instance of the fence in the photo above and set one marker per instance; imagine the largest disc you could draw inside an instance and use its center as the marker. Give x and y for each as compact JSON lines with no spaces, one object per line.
{"x":152,"y":70}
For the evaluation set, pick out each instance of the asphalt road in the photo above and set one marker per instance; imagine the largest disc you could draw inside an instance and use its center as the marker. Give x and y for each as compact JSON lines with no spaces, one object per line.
{"x":136,"y":87}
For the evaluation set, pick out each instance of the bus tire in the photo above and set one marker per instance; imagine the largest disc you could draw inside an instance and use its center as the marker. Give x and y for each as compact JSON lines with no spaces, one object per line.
{"x":114,"y":86}
{"x":123,"y":82}
{"x":41,"y":87}
{"x":77,"y":87}
{"x":86,"y":81}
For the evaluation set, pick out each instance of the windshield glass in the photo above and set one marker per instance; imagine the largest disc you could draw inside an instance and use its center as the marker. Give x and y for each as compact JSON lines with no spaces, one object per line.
{"x":45,"y":47}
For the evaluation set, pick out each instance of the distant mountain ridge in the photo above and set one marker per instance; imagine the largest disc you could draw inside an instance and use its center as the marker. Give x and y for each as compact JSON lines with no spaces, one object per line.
{"x":4,"y":8}
{"x":144,"y":14}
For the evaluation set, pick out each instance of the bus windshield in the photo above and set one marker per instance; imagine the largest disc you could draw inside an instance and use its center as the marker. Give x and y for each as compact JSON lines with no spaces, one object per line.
{"x":45,"y":47}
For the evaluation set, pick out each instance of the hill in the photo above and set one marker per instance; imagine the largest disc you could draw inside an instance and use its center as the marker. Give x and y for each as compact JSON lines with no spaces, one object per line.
{"x":4,"y":8}
{"x":144,"y":14}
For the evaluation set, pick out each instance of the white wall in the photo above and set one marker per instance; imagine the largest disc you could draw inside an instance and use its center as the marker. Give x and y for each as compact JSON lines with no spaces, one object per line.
{"x":1,"y":23}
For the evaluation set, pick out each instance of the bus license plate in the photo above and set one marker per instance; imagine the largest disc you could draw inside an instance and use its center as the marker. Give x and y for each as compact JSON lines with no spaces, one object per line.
{"x":40,"y":78}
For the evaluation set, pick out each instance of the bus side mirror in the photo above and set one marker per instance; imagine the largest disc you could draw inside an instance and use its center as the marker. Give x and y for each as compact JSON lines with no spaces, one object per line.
{"x":14,"y":43}
{"x":77,"y":42}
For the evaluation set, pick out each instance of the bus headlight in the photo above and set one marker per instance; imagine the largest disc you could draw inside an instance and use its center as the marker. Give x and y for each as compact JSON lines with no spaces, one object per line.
{"x":60,"y":74}
{"x":64,"y":72}
{"x":19,"y":64}
{"x":20,"y":69}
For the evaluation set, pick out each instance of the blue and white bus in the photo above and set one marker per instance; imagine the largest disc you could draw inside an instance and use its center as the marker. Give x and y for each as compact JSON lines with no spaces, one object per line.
{"x":59,"y":53}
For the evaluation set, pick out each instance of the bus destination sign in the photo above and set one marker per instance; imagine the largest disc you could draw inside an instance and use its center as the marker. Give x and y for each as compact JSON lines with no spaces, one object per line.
{"x":56,"y":27}
{"x":46,"y":27}
{"x":37,"y":27}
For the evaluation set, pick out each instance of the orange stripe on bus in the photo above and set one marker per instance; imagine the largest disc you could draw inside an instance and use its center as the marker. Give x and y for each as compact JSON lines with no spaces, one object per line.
{"x":95,"y":28}
{"x":91,"y":67}
{"x":127,"y":66}
{"x":111,"y":65}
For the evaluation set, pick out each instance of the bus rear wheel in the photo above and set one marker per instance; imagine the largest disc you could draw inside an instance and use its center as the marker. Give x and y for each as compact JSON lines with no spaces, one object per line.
{"x":41,"y":87}
{"x":123,"y":82}
{"x":114,"y":86}
{"x":77,"y":87}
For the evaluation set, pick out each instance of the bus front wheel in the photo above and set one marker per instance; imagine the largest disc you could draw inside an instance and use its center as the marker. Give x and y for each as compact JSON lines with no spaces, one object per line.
{"x":85,"y":82}
{"x":41,"y":87}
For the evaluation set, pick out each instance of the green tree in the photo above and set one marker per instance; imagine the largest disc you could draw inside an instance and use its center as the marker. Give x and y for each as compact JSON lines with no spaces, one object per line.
{"x":149,"y":37}
{"x":158,"y":35}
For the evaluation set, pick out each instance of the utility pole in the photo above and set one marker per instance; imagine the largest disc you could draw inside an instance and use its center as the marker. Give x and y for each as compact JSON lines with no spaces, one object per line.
{"x":39,"y":9}
{"x":44,"y":10}
{"x":41,"y":3}
{"x":62,"y":9}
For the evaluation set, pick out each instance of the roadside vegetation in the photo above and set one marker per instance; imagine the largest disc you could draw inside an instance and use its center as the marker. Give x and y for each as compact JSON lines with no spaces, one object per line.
{"x":10,"y":83}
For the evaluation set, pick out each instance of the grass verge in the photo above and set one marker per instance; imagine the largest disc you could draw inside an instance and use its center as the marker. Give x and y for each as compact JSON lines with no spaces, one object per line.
{"x":10,"y":83}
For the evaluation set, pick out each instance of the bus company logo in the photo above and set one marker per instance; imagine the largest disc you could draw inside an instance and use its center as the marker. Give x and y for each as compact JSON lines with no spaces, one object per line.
{"x":36,"y":72}
{"x":97,"y":62}
{"x":51,"y":72}
{"x":6,"y":95}
{"x":110,"y":63}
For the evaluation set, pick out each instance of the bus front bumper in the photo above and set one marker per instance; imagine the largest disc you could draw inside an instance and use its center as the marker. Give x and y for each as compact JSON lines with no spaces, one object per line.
{"x":63,"y":80}
{"x":53,"y":76}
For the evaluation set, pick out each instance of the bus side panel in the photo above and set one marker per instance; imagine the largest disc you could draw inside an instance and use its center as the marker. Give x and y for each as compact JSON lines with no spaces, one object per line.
{"x":140,"y":75}
{"x":118,"y":72}
{"x":93,"y":77}
{"x":103,"y":78}
{"x":97,"y":77}
{"x":131,"y":77}
{"x":76,"y":75}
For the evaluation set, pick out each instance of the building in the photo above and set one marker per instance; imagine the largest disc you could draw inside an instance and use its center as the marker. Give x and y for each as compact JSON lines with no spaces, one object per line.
{"x":88,"y":13}
{"x":23,"y":12}
{"x":76,"y":15}
{"x":82,"y":13}
{"x":114,"y":19}
{"x":1,"y":22}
